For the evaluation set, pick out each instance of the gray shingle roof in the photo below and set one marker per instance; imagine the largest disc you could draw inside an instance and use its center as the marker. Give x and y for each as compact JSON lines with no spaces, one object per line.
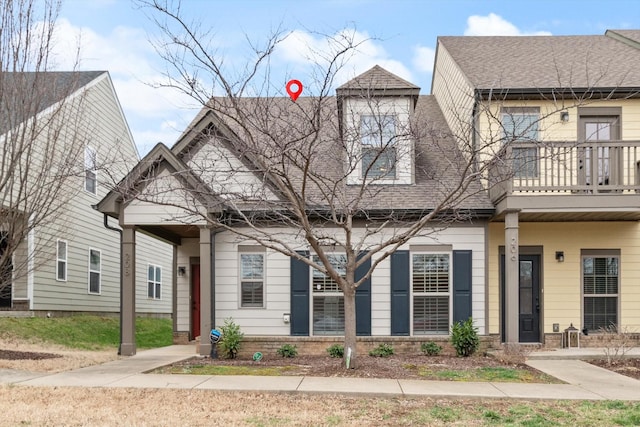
{"x":281,"y":121}
{"x":546,"y":62}
{"x":24,"y":95}
{"x":377,"y":78}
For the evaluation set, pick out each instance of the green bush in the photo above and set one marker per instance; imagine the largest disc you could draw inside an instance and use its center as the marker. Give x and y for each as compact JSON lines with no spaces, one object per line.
{"x":464,"y":338}
{"x":430,"y":348}
{"x":287,"y":350}
{"x":231,"y":338}
{"x":336,"y":350}
{"x":383,"y":350}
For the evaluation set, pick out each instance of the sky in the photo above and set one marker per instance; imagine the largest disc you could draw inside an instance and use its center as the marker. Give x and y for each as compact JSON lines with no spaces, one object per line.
{"x":399,"y":35}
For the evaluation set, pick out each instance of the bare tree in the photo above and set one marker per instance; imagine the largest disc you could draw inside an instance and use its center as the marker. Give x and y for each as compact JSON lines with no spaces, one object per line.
{"x":322,"y":170}
{"x":41,"y":140}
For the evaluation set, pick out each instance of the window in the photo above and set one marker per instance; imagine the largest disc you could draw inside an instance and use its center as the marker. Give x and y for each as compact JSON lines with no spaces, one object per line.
{"x":95,"y":271}
{"x":379,"y":156}
{"x":91,"y":174}
{"x":154,"y":281}
{"x":600,"y":280}
{"x":430,"y":286}
{"x":251,"y":280}
{"x":520,"y":125}
{"x":61,"y":260}
{"x":328,"y":301}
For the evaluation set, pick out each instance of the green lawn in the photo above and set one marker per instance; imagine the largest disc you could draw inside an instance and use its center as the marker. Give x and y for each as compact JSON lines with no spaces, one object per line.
{"x":87,"y":332}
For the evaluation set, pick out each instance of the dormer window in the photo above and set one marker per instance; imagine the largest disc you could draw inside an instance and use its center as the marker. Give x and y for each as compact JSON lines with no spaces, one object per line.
{"x":378,"y":137}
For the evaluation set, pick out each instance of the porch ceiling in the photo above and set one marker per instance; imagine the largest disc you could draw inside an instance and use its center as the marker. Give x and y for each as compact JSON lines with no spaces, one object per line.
{"x":171,"y":233}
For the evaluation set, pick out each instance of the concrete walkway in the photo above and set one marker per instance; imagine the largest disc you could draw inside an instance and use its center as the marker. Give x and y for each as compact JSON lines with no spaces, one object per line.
{"x":584,"y":381}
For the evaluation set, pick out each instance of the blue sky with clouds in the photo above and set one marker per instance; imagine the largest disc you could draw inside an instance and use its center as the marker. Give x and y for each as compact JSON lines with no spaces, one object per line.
{"x":399,"y":35}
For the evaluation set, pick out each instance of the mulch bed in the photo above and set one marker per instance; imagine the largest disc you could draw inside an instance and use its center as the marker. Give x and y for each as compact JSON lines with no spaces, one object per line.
{"x":396,"y":366}
{"x":26,"y":355}
{"x":627,"y":366}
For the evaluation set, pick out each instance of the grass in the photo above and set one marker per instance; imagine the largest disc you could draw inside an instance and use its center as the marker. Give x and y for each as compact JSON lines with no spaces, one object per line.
{"x":491,"y":374}
{"x":87,"y":332}
{"x":267,"y":371}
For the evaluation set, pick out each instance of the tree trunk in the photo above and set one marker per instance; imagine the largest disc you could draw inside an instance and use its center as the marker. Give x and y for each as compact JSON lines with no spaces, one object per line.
{"x":350,"y":357}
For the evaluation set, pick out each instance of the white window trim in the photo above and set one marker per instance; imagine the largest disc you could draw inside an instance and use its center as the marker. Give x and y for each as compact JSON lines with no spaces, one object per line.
{"x":59,"y":259}
{"x":449,"y":294}
{"x":154,"y":281}
{"x":338,"y":293}
{"x":93,"y":168}
{"x":264,"y":280}
{"x":89,"y":271}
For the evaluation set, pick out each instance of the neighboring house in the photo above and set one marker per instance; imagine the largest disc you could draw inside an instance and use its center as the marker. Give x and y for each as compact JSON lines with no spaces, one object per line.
{"x":436,"y":278}
{"x":559,"y":117}
{"x":70,"y":262}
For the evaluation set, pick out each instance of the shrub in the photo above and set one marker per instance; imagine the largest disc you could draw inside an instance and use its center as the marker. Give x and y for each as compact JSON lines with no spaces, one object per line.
{"x":383,"y":350}
{"x":287,"y":350}
{"x":336,"y":350}
{"x":231,"y":338}
{"x":430,"y":348}
{"x":616,"y":343}
{"x":464,"y":338}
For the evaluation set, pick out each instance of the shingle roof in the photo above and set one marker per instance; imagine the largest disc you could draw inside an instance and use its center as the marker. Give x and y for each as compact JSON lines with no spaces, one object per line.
{"x":377,"y":78}
{"x":275,"y":129}
{"x":630,"y":37}
{"x":546,"y":62}
{"x":24,"y":95}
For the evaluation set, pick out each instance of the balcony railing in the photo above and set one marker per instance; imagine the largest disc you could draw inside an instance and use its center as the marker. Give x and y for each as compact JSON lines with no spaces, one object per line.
{"x":561,"y":167}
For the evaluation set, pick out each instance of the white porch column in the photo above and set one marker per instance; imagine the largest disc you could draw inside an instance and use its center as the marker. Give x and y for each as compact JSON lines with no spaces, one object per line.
{"x":205,"y":290}
{"x":512,"y":277}
{"x":128,"y":293}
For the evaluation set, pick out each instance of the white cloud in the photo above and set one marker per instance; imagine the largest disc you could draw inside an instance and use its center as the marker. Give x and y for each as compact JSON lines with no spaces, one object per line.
{"x":423,"y":58}
{"x":304,"y":52}
{"x":130,"y":60}
{"x":495,"y":25}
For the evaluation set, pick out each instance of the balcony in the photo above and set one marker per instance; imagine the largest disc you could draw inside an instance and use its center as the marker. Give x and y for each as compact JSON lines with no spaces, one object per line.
{"x":565,"y":180}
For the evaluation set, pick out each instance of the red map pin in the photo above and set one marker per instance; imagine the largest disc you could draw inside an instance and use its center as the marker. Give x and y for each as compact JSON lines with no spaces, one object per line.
{"x":294,"y":94}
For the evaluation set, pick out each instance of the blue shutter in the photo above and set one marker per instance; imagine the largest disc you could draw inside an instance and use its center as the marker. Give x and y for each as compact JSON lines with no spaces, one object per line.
{"x":300,"y":296}
{"x":400,"y":293}
{"x":461,"y":285}
{"x":363,"y":301}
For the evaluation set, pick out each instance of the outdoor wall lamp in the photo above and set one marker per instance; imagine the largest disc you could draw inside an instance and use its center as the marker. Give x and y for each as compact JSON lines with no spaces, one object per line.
{"x":182,"y":270}
{"x":564,"y":116}
{"x":560,"y":256}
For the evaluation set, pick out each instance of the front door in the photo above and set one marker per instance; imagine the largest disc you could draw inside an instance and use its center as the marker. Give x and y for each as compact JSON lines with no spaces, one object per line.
{"x":528,"y":297}
{"x":6,"y":276}
{"x":195,"y":301}
{"x":600,"y":161}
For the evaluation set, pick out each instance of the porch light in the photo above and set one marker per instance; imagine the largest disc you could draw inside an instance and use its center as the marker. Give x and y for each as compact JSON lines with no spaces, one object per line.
{"x":560,"y":256}
{"x":564,"y":116}
{"x":182,"y":270}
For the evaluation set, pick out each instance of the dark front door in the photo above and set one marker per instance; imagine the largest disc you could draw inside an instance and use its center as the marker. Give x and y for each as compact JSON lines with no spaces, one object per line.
{"x":195,"y":301}
{"x":528,"y":297}
{"x":6,"y":268}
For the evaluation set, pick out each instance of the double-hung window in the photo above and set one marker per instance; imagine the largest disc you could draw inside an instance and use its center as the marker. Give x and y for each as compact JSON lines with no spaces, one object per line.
{"x":252,"y":280}
{"x":95,"y":271}
{"x":600,"y":288}
{"x":328,"y":300}
{"x":61,"y":260}
{"x":430,"y":285}
{"x":90,"y":170}
{"x":520,"y":127}
{"x":378,"y":139}
{"x":154,"y":281}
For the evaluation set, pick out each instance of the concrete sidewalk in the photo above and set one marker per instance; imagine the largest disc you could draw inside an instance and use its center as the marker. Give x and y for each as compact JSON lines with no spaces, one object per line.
{"x":585,"y":381}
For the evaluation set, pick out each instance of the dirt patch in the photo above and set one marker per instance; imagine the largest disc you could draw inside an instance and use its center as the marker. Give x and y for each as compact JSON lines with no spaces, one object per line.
{"x":627,"y":366}
{"x":44,"y":357}
{"x":396,"y":366}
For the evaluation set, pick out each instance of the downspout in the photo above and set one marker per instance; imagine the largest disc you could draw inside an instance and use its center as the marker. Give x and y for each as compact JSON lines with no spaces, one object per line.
{"x":108,"y":227}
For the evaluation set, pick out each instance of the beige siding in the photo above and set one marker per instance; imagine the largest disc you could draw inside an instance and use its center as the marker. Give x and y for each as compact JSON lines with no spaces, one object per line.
{"x":189,"y":248}
{"x":269,"y":320}
{"x":562,"y":281}
{"x":455,"y":96}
